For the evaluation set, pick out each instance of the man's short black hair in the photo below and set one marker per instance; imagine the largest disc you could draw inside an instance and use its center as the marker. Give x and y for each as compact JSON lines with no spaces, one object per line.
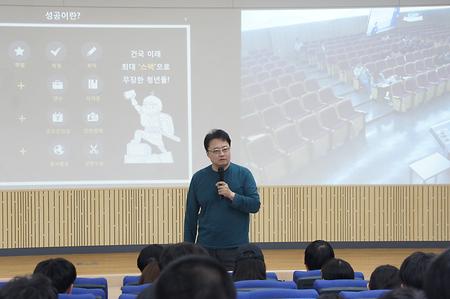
{"x":317,"y":254}
{"x":404,"y":293}
{"x":147,"y":254}
{"x":174,"y":251}
{"x":216,"y":134}
{"x":37,"y":286}
{"x":385,"y":277}
{"x":437,"y":278}
{"x":194,"y":277}
{"x":61,"y":272}
{"x":337,"y":269}
{"x":413,"y":268}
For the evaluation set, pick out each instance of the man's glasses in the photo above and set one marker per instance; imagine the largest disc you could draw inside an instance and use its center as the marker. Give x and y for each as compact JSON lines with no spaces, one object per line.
{"x":218,"y":151}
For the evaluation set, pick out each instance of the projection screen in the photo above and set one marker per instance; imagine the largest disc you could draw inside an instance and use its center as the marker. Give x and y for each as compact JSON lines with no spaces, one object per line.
{"x":123,"y":97}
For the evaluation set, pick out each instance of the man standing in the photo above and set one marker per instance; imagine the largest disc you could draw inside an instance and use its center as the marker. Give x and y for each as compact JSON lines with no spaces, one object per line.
{"x":219,"y":201}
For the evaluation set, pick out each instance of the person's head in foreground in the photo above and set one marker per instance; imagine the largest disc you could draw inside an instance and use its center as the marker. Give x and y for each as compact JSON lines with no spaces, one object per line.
{"x":36,"y":286}
{"x":337,"y":269}
{"x":194,"y":277}
{"x":249,"y":264}
{"x":385,"y":277}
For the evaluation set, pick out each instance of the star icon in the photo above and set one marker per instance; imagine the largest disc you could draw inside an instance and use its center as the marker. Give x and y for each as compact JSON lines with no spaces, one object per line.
{"x":19,"y":51}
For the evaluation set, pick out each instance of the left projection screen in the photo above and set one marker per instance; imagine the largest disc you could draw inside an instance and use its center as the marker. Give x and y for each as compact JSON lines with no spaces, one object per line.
{"x":105,"y":97}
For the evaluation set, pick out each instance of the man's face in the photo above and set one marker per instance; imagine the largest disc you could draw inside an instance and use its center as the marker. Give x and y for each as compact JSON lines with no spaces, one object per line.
{"x":219,"y":153}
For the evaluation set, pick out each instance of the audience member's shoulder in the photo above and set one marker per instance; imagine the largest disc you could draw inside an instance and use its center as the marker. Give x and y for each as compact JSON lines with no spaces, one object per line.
{"x":36,"y":286}
{"x":404,"y":293}
{"x":437,"y":277}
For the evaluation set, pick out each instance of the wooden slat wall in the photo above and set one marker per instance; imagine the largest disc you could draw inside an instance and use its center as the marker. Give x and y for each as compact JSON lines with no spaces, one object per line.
{"x":56,"y":218}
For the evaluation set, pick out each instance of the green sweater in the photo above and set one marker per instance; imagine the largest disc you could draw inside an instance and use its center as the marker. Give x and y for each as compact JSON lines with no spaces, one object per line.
{"x":222,"y":223}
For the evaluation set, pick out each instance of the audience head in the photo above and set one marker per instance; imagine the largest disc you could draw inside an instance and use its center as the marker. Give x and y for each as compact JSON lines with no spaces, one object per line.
{"x":150,"y":274}
{"x":337,"y":269}
{"x":404,"y":293}
{"x":37,"y":286}
{"x":413,"y":268}
{"x":61,"y":272}
{"x":437,"y":278}
{"x":317,"y":254}
{"x":148,"y":263}
{"x":384,"y":277}
{"x":175,"y":251}
{"x":249,"y":264}
{"x":148,"y":254}
{"x":194,"y":277}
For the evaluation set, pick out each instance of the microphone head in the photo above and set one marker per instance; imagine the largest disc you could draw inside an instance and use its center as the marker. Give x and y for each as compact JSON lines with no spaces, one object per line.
{"x":221,"y":173}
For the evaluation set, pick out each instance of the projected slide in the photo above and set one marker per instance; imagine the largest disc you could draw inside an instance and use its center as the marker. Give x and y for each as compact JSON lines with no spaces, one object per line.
{"x":324,"y":103}
{"x":89,"y":104}
{"x":382,"y":19}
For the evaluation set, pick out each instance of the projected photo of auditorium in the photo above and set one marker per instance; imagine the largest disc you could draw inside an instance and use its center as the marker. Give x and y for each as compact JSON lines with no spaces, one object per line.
{"x":346,"y":96}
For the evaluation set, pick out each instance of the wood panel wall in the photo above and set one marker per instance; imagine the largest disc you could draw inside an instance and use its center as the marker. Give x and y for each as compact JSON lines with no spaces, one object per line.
{"x":59,"y":218}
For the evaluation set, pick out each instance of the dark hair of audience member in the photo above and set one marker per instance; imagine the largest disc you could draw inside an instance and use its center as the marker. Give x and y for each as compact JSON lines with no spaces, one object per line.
{"x":172,"y":252}
{"x":404,"y":293}
{"x":148,"y":263}
{"x":61,"y":272}
{"x":385,"y":277}
{"x":317,"y":254}
{"x":37,"y":286}
{"x":329,"y":296}
{"x":249,"y":264}
{"x":437,"y":278}
{"x":148,"y":254}
{"x":194,"y":277}
{"x":151,"y":273}
{"x":337,"y":269}
{"x":413,"y":268}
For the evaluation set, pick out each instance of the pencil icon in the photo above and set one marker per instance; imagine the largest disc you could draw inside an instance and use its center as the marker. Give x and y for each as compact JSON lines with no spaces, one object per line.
{"x":91,"y":51}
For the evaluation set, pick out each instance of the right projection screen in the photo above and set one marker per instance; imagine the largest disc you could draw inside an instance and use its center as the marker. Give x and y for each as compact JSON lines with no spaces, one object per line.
{"x":346,"y":96}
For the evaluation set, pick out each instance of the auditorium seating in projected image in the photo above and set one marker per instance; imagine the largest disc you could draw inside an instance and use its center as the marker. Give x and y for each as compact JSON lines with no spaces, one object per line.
{"x":417,"y":92}
{"x":327,"y":96}
{"x":294,"y":110}
{"x":429,"y":88}
{"x":264,"y":157}
{"x":296,"y":149}
{"x":357,"y":118}
{"x":317,"y":136}
{"x":444,"y":73}
{"x":402,"y":100}
{"x":310,"y":102}
{"x":338,"y":127}
{"x":433,"y":78}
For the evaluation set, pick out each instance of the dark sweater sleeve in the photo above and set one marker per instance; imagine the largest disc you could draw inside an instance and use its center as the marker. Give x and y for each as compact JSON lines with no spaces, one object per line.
{"x":248,"y":201}
{"x":191,"y":215}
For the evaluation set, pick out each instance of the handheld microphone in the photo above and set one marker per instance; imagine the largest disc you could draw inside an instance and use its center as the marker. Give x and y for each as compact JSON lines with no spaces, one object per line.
{"x":221,"y":177}
{"x":221,"y":173}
